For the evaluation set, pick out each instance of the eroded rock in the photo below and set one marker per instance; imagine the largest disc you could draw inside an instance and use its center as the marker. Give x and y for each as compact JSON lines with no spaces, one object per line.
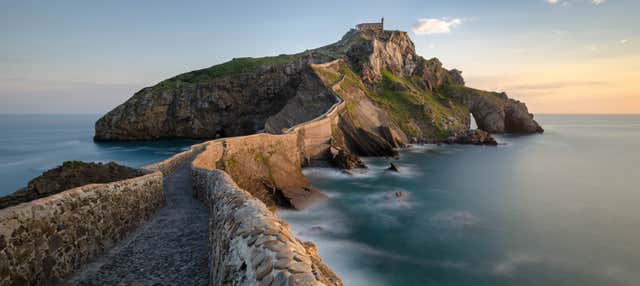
{"x":393,"y":168}
{"x":473,"y":137}
{"x":344,"y":160}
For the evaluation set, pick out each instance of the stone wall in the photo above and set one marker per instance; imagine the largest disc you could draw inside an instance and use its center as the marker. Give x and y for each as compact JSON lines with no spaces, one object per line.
{"x":170,"y":164}
{"x":269,"y":166}
{"x":45,"y":240}
{"x":248,"y":244}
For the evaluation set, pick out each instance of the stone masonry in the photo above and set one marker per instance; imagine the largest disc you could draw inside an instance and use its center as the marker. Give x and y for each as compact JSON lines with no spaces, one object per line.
{"x":45,"y":240}
{"x":248,"y":244}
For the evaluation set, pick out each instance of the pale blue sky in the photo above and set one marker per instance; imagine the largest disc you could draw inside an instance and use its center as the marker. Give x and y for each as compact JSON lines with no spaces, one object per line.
{"x":86,"y":56}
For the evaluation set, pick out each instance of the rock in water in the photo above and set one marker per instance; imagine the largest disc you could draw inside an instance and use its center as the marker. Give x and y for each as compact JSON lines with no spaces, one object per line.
{"x":474,"y":137}
{"x":345,"y":160}
{"x":393,"y":168}
{"x":70,"y":175}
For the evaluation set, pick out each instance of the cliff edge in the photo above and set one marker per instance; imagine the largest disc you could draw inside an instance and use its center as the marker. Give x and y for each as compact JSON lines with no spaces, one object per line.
{"x":249,"y":95}
{"x":365,"y":95}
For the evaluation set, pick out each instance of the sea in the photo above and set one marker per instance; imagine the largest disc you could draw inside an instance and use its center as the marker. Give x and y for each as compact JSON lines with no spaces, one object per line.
{"x":33,"y":143}
{"x":559,"y":208}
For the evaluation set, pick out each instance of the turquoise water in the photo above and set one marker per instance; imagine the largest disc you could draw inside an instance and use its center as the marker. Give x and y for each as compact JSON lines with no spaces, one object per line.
{"x":33,"y":143}
{"x":553,"y":209}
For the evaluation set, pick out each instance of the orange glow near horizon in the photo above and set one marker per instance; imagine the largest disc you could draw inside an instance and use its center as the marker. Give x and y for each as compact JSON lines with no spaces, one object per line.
{"x":591,"y":86}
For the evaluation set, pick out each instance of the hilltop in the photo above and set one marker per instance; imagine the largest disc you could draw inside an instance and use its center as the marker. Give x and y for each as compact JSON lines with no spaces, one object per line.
{"x":381,"y":74}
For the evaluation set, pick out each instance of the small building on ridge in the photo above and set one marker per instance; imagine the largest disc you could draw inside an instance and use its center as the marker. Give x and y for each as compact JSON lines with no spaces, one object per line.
{"x":371,"y":26}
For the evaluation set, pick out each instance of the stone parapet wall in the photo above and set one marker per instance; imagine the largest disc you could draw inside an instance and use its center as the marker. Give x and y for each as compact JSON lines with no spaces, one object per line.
{"x":43,"y":241}
{"x":170,"y":164}
{"x":249,"y":245}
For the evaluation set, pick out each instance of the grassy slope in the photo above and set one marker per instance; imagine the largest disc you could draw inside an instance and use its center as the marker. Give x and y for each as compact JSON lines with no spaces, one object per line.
{"x":230,"y":68}
{"x":463,"y":93}
{"x":238,"y":66}
{"x":404,"y":107}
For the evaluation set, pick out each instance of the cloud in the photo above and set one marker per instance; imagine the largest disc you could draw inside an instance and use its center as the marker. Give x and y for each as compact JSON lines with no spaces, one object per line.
{"x":434,"y":26}
{"x":567,"y":2}
{"x":624,"y":41}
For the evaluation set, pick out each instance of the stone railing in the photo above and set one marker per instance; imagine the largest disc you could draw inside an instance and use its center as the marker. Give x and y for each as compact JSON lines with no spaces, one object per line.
{"x":249,"y":245}
{"x":170,"y":164}
{"x":45,"y":240}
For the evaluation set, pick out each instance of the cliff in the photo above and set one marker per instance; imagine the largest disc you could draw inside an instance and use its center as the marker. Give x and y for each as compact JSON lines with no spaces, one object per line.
{"x":248,"y":95}
{"x":365,"y":95}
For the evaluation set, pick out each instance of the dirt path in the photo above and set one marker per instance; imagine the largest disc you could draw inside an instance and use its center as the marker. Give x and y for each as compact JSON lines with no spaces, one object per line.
{"x":170,"y":249}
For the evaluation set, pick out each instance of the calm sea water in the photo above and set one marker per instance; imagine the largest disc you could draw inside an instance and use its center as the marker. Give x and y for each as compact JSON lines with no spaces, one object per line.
{"x":31,"y":144}
{"x":555,"y":209}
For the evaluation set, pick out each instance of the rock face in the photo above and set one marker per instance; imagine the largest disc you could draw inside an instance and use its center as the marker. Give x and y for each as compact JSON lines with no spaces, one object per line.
{"x":221,"y":101}
{"x":393,"y":168}
{"x":70,"y":175}
{"x":382,"y":93}
{"x":495,"y":112}
{"x":248,"y":95}
{"x":344,"y":160}
{"x":473,"y":137}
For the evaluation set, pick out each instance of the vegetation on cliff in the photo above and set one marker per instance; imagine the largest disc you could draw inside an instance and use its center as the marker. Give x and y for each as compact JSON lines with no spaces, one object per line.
{"x":392,"y":97}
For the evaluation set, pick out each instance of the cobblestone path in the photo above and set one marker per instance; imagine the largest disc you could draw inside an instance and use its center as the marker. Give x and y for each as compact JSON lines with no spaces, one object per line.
{"x":170,"y":249}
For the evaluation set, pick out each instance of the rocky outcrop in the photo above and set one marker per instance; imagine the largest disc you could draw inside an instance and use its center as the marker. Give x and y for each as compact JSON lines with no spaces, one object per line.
{"x":473,"y":137}
{"x":382,"y":91}
{"x":517,"y":119}
{"x":495,"y":112}
{"x":390,"y":50}
{"x":240,"y":97}
{"x":69,"y":175}
{"x":361,"y":141}
{"x":393,"y":168}
{"x":395,"y":94}
{"x":344,"y":160}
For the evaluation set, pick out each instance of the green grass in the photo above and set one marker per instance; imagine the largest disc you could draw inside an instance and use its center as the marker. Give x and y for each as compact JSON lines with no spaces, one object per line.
{"x":406,"y":107}
{"x":351,"y":79}
{"x":463,"y":93}
{"x":230,"y":68}
{"x":328,"y":75}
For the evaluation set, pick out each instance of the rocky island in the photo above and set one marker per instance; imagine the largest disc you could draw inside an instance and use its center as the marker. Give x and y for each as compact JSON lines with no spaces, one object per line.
{"x":368,"y":94}
{"x":384,"y":95}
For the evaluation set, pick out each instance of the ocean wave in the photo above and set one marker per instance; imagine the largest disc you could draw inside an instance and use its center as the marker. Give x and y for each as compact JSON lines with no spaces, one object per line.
{"x":332,"y":173}
{"x":395,"y":199}
{"x":455,"y":219}
{"x":420,"y":148}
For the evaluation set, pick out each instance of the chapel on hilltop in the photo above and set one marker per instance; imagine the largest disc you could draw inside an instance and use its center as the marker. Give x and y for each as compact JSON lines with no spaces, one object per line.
{"x":371,"y":26}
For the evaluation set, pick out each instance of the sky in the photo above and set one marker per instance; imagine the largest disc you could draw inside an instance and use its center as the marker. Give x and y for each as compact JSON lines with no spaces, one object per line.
{"x":558,"y":56}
